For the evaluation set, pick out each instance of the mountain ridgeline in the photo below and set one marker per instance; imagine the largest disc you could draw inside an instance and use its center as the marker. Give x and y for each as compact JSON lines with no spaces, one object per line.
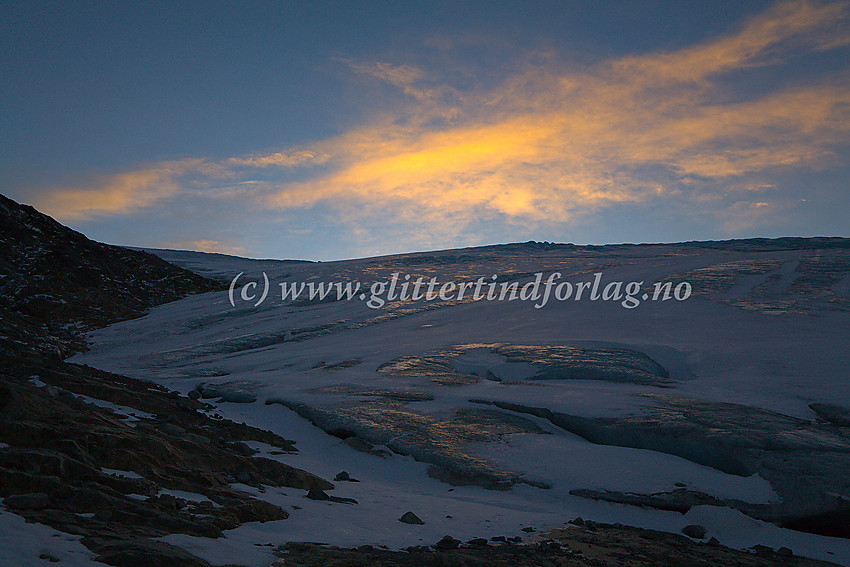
{"x":54,"y":280}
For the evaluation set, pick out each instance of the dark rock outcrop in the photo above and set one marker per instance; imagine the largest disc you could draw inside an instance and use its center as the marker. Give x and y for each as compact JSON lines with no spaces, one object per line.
{"x":141,"y":553}
{"x":54,"y":281}
{"x":410,"y":518}
{"x":605,"y":545}
{"x":831,"y":413}
{"x":58,"y":425}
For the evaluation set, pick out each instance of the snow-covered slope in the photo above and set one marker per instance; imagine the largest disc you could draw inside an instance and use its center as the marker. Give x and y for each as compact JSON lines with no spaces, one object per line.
{"x":486,"y":417}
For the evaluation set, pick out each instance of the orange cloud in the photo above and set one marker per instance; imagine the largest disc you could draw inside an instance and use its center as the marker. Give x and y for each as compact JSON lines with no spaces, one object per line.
{"x":547,"y":144}
{"x":761,"y":41}
{"x":117,"y":194}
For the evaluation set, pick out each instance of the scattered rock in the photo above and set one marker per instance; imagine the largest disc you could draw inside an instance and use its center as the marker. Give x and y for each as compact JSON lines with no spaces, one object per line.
{"x":343,"y":475}
{"x":611,"y":545}
{"x":448,"y":542}
{"x":410,"y":518}
{"x":254,"y":510}
{"x":359,"y":444}
{"x":341,"y":500}
{"x":317,"y":494}
{"x":784,"y":552}
{"x":418,"y":549}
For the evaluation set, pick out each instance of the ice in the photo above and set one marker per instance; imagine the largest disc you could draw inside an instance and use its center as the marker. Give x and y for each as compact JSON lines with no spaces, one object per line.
{"x":482,"y":361}
{"x":765,"y":328}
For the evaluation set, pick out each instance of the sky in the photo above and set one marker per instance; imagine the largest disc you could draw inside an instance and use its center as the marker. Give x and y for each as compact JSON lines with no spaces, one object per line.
{"x":334,"y":130}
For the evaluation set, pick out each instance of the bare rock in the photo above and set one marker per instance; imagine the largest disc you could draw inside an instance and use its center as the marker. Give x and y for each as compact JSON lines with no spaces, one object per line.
{"x":448,"y":542}
{"x":243,"y":449}
{"x":258,"y":511}
{"x":317,"y":494}
{"x":831,"y":413}
{"x":34,"y":501}
{"x":695,"y":531}
{"x":359,"y":444}
{"x":410,"y":518}
{"x":141,"y":553}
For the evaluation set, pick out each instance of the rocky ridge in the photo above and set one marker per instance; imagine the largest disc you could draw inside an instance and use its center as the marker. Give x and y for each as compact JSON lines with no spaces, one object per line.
{"x":96,"y":454}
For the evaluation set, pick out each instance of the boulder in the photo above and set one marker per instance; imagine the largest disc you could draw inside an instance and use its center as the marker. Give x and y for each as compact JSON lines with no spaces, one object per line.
{"x":695,"y":531}
{"x":410,"y":518}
